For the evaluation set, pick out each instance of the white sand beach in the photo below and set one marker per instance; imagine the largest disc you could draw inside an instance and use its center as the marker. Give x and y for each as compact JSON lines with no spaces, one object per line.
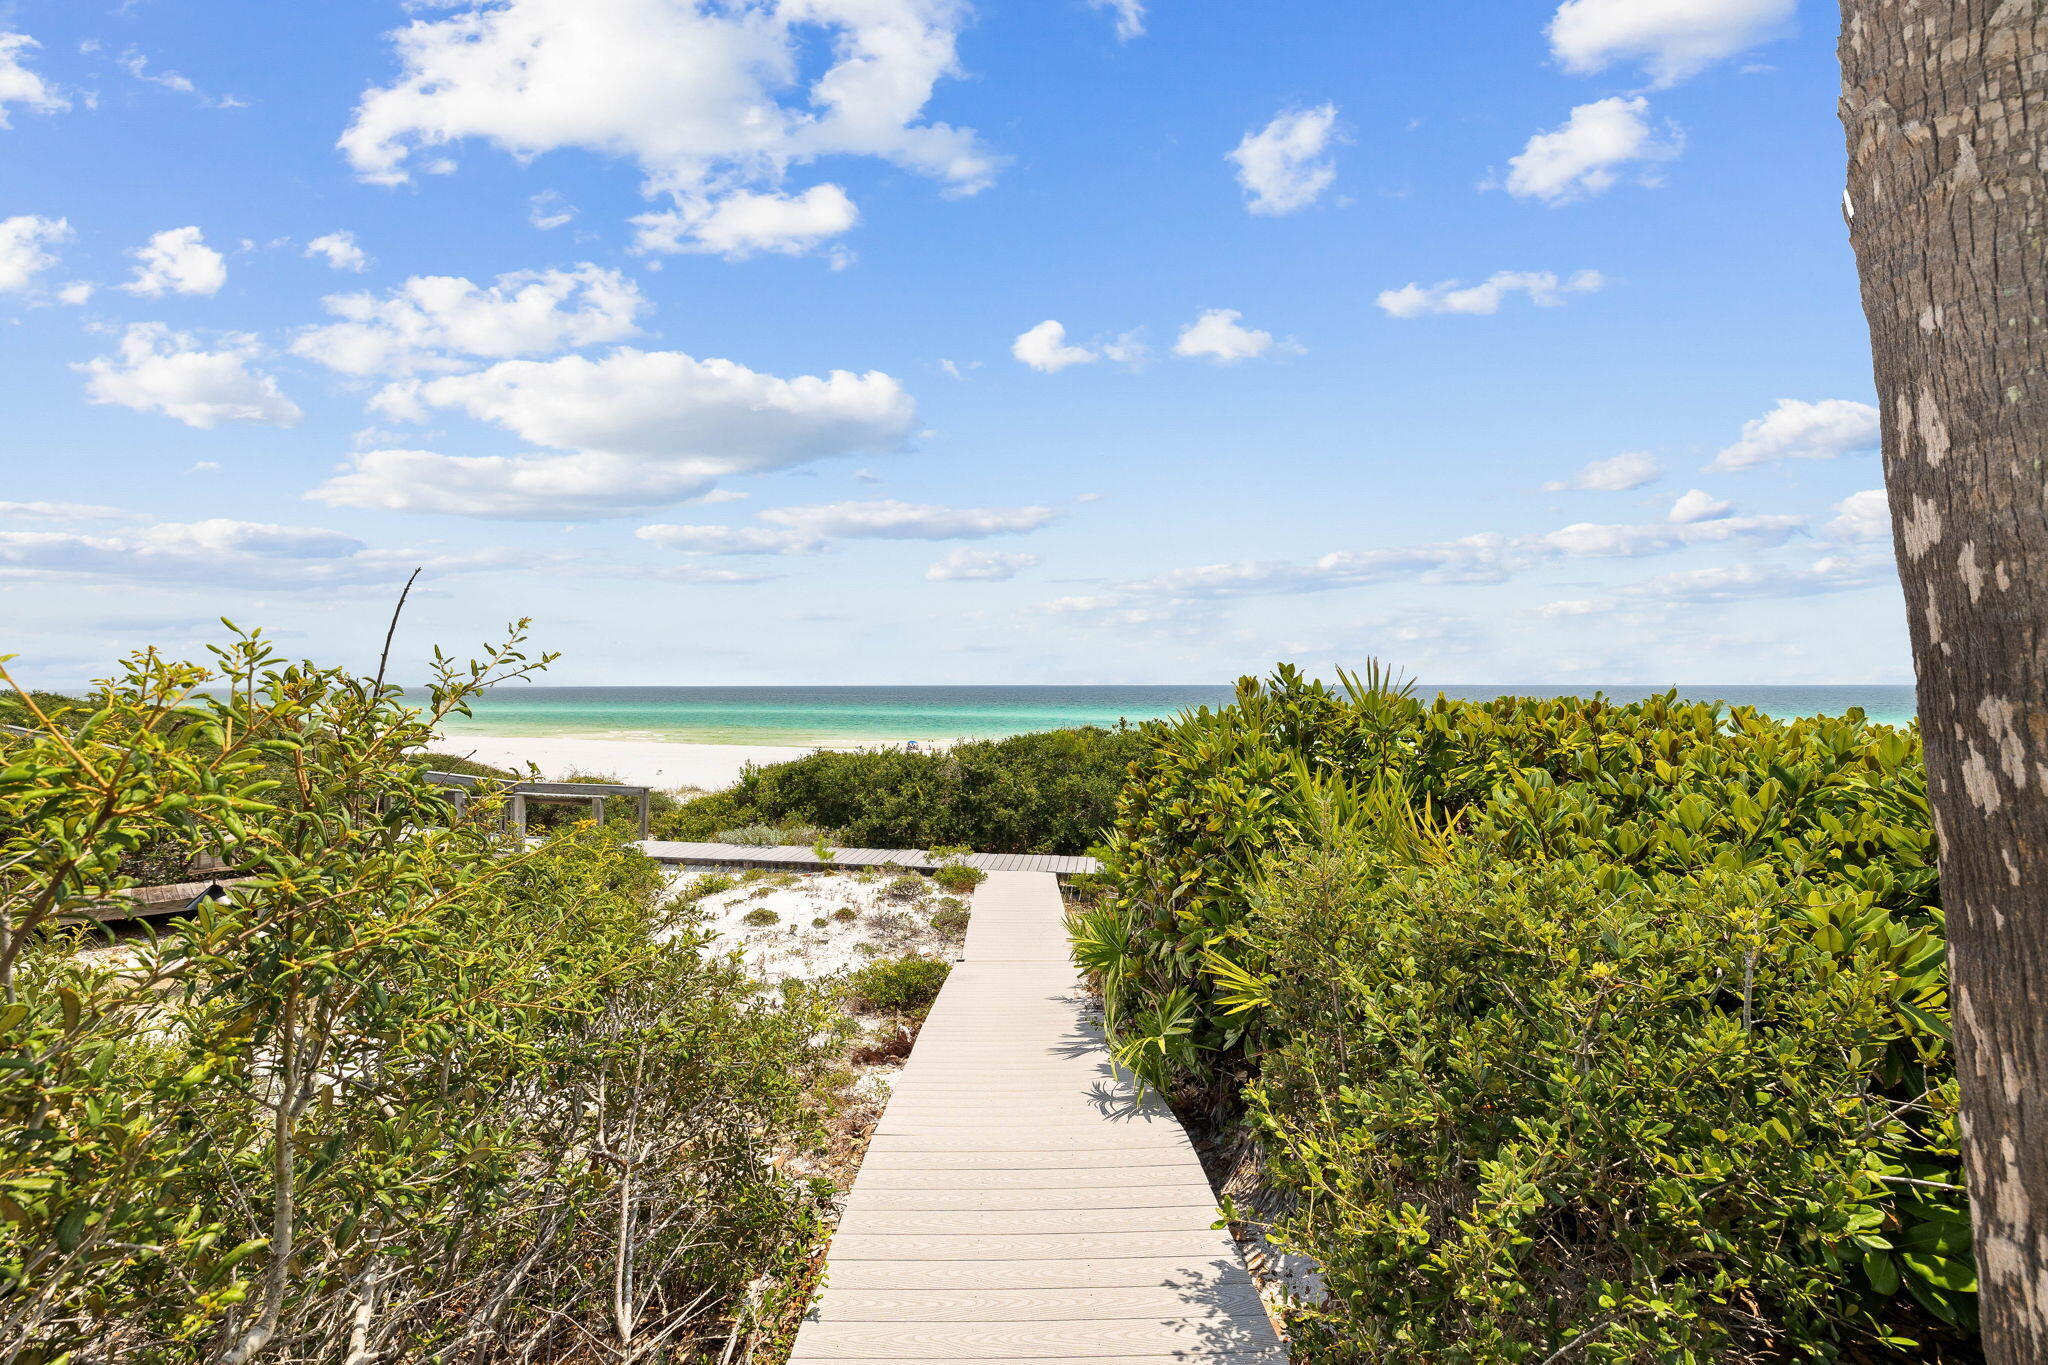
{"x":645,"y":762}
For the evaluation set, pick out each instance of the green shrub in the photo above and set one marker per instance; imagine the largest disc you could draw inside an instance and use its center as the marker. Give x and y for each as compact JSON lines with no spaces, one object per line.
{"x":386,"y":1099}
{"x":1657,"y":812}
{"x":900,"y":985}
{"x":1053,"y":792}
{"x":1518,"y":1109}
{"x":906,"y":888}
{"x":709,"y":884}
{"x":951,"y":917}
{"x":959,"y":878}
{"x":769,"y":836}
{"x":846,"y":914}
{"x":762,"y":918}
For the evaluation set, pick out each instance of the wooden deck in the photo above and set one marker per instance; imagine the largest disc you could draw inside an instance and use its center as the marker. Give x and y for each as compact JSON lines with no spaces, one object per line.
{"x":801,"y":858}
{"x":1017,"y":1203}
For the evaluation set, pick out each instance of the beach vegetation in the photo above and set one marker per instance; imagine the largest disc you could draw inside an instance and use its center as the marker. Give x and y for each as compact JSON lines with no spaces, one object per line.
{"x":898,"y":985}
{"x":1558,"y":1025}
{"x":1049,"y":792}
{"x":950,"y":917}
{"x":409,"y":1091}
{"x":907,"y":888}
{"x":762,"y":918}
{"x":958,"y":878}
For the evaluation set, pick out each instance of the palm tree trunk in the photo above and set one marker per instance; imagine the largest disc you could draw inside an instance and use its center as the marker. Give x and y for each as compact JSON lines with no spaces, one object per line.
{"x":1945,"y":103}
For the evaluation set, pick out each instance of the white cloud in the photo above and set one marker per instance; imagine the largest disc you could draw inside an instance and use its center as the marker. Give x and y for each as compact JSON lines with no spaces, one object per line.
{"x":548,"y":210}
{"x":1699,"y":505}
{"x":177,"y":260}
{"x":61,"y":511}
{"x":75,"y":293}
{"x":1798,"y":430}
{"x":428,"y":321}
{"x":1672,"y":39}
{"x":1734,"y":582}
{"x":745,"y":222}
{"x":810,"y":529}
{"x":1285,"y":165}
{"x":1129,"y":14}
{"x":1044,"y":348}
{"x":643,"y":428}
{"x":137,"y":65}
{"x":19,"y":85}
{"x":340,"y":251}
{"x":707,"y":100}
{"x":24,"y":249}
{"x":1216,"y":335}
{"x":979,"y":566}
{"x":159,"y":370}
{"x":1617,"y":474}
{"x":1487,"y":557}
{"x":1542,"y":287}
{"x":1862,"y":516}
{"x":214,"y":551}
{"x":1587,"y":154}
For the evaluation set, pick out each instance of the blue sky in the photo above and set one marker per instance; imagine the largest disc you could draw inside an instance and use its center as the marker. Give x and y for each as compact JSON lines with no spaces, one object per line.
{"x":843,"y":341}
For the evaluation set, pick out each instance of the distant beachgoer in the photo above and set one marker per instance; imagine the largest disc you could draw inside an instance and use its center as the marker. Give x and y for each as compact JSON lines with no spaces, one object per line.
{"x":911,"y":747}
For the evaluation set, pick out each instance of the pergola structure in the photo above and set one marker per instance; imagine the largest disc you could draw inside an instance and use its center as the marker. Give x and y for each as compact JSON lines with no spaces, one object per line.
{"x":594,"y":794}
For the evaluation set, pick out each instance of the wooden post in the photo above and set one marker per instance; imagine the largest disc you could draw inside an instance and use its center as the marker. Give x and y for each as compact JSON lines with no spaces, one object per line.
{"x":645,"y":805}
{"x":597,"y":809}
{"x":519,"y":814}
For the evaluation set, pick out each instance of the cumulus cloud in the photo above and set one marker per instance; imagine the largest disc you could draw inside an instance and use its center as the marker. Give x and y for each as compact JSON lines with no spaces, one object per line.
{"x":1542,"y":287}
{"x":159,"y":370}
{"x":25,"y":242}
{"x":1699,"y":505}
{"x":1586,"y":156}
{"x":75,"y":293}
{"x":177,"y":261}
{"x":1129,"y":16}
{"x":1217,"y":335}
{"x":745,"y":222}
{"x":426,"y":323}
{"x":339,"y":250}
{"x":21,"y":85}
{"x":708,"y":100}
{"x":642,"y":428}
{"x":1286,"y":165}
{"x":810,"y":529}
{"x":1861,"y":517}
{"x":1044,"y":348}
{"x":979,"y":566}
{"x":1734,"y":582}
{"x":1672,"y":39}
{"x":1616,"y":474}
{"x":1798,"y":430}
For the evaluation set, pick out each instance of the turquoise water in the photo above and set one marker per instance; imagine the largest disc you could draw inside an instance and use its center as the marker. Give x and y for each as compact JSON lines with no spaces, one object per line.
{"x":850,"y":715}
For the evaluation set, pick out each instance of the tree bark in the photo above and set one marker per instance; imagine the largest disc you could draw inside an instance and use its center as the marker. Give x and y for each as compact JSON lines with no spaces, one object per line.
{"x":1945,"y":103}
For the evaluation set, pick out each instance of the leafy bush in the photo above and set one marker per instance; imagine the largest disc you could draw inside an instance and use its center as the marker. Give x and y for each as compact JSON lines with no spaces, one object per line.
{"x":768,"y":836}
{"x":1053,"y":792}
{"x":846,"y":914}
{"x":959,"y":878}
{"x":1655,"y":815}
{"x":708,"y":884}
{"x":1519,"y":1109}
{"x":906,"y":888}
{"x":951,"y":917}
{"x":409,"y":1092}
{"x":900,"y":985}
{"x":762,"y":918}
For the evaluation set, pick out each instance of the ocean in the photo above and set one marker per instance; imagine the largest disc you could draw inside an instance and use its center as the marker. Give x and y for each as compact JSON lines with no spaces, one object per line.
{"x":803,"y":716}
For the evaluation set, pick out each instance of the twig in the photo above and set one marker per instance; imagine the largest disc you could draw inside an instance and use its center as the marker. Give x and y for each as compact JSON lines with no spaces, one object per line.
{"x":392,"y":630}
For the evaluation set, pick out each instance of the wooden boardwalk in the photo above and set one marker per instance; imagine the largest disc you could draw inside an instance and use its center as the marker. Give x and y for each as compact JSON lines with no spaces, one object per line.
{"x":803,"y":858}
{"x":1017,"y":1203}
